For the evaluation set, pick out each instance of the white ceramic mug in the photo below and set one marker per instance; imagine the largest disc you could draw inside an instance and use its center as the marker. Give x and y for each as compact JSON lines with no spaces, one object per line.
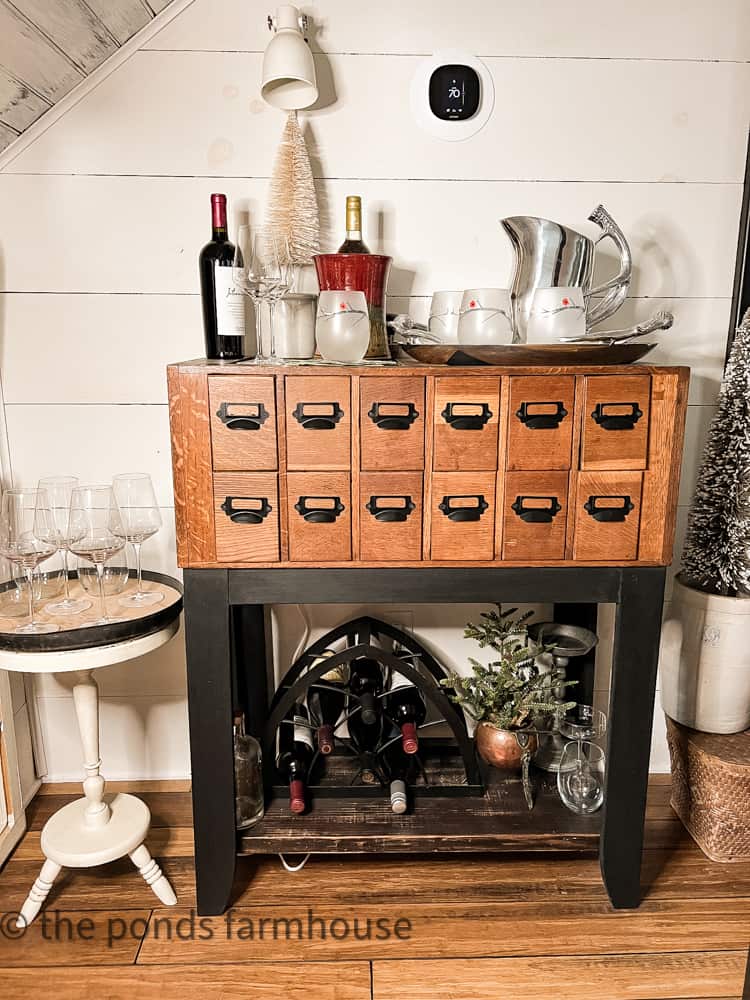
{"x":555,"y":313}
{"x":485,"y":317}
{"x":444,"y":312}
{"x":342,"y":329}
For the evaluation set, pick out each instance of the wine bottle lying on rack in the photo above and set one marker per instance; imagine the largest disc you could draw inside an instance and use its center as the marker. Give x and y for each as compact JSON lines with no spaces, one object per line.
{"x":405,"y":705}
{"x":366,"y":684}
{"x":295,"y":754}
{"x":326,"y":700}
{"x":400,"y":770}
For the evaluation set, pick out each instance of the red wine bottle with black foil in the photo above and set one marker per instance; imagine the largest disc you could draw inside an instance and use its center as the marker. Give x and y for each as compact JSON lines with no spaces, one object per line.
{"x":366,"y":683}
{"x":405,"y":705}
{"x":326,"y":700}
{"x":295,"y":754}
{"x":223,"y":302}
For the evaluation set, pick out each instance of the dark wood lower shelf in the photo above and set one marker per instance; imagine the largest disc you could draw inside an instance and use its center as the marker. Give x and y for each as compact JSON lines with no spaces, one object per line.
{"x":496,"y":821}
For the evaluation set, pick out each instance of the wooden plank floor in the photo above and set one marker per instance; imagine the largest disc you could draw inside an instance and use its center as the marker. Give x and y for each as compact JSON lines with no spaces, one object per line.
{"x":464,"y":927}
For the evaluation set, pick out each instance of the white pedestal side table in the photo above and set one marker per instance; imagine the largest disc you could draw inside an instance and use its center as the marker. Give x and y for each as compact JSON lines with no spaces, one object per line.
{"x":99,"y":827}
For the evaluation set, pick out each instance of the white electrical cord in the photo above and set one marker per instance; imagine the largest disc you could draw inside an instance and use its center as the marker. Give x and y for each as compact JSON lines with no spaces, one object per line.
{"x":294,"y":868}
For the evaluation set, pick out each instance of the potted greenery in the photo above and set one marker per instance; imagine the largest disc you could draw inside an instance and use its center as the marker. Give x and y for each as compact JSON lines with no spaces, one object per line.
{"x":705,"y":648}
{"x":505,"y":696}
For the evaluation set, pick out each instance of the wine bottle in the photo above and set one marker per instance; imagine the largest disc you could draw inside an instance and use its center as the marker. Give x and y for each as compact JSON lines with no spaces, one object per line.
{"x":366,"y":683}
{"x":223,"y":303}
{"x":399,"y":769}
{"x":353,"y":242}
{"x":326,"y":703}
{"x":405,"y":705}
{"x":295,"y":754}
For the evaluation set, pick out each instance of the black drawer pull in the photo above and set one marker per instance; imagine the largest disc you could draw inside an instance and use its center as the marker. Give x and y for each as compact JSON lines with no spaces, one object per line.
{"x":542,"y":421}
{"x":617,"y":421}
{"x":317,"y":514}
{"x":386,"y":512}
{"x":536,"y":515}
{"x":609,"y":513}
{"x":243,"y":421}
{"x":237,"y":510}
{"x":464,"y":513}
{"x":318,"y":421}
{"x":393,"y":421}
{"x":466,"y":421}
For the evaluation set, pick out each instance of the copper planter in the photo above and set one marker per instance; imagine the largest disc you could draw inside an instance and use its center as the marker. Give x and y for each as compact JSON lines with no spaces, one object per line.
{"x":502,"y":748}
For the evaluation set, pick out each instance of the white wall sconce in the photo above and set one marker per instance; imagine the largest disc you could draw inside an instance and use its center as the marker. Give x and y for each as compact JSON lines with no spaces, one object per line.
{"x":289,"y":79}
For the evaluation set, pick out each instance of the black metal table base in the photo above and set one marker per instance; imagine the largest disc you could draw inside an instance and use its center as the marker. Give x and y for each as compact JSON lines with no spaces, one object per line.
{"x":225,"y":613}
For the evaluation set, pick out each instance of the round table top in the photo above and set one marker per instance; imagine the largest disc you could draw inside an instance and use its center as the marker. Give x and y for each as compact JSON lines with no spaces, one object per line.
{"x":75,"y":647}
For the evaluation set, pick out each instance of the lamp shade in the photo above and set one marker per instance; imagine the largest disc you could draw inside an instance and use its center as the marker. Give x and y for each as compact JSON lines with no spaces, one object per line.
{"x":288,"y":67}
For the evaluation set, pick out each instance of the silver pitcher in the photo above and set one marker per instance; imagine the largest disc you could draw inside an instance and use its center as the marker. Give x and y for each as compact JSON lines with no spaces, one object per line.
{"x":550,"y":255}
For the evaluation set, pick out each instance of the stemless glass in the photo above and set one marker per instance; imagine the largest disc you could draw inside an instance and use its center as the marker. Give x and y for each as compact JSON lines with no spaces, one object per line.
{"x":580,"y":780}
{"x":141,"y":518}
{"x":26,"y":539}
{"x":254,"y":274}
{"x":59,"y":490}
{"x":342,"y":330}
{"x":555,"y":313}
{"x":445,"y":309}
{"x":96,"y":534}
{"x":485,"y":317}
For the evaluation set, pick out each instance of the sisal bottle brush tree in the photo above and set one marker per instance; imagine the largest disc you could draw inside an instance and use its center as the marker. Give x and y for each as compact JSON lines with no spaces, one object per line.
{"x":705,"y":647}
{"x":292,"y":216}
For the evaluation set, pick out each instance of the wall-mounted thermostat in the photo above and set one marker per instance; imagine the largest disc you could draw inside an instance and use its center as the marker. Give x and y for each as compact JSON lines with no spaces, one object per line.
{"x":452,"y":95}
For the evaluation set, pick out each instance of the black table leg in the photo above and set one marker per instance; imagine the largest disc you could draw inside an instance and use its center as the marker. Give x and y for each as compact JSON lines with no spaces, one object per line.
{"x":209,"y":673}
{"x":631,"y":710}
{"x":251,"y":665}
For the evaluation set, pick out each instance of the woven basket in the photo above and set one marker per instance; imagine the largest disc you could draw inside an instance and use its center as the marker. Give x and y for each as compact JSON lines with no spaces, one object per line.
{"x":711,"y":789}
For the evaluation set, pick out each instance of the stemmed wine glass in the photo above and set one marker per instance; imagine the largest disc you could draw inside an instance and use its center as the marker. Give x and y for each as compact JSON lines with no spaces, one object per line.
{"x":27,"y":539}
{"x":96,"y":534}
{"x":258,"y":271}
{"x":279,"y":270}
{"x":141,"y":518}
{"x":59,"y":490}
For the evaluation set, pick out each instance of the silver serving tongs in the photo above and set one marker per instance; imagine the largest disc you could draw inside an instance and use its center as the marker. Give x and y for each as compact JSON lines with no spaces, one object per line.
{"x":661,"y":320}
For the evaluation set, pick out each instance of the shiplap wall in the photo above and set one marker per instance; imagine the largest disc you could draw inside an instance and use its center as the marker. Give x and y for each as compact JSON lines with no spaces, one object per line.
{"x":644,"y":108}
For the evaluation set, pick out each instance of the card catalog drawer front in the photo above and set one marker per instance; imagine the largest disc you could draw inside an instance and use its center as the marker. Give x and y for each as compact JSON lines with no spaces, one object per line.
{"x":246,"y":515}
{"x":320,"y":517}
{"x":615,"y":422}
{"x":466,"y":423}
{"x":390,"y":516}
{"x":608,"y":512}
{"x":391,"y":420}
{"x":540,"y":422}
{"x":318,"y":422}
{"x":242,"y":410}
{"x":463,"y":516}
{"x":535,"y":515}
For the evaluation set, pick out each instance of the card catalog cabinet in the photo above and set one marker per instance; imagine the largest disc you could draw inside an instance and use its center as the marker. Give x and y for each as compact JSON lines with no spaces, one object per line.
{"x":415,"y":465}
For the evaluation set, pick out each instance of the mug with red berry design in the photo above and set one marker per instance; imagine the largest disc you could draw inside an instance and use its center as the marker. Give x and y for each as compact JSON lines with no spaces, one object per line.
{"x":342,"y":328}
{"x":485,"y":317}
{"x":556,"y":313}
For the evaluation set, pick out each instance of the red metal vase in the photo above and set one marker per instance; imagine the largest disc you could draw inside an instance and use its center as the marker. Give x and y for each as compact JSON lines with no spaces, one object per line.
{"x":360,"y":272}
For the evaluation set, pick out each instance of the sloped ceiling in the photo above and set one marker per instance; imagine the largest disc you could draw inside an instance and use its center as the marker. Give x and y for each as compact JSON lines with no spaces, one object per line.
{"x":47,"y":47}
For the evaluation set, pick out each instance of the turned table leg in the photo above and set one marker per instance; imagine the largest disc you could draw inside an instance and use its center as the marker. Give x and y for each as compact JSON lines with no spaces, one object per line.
{"x":86,"y":700}
{"x":153,"y":875}
{"x":39,"y":892}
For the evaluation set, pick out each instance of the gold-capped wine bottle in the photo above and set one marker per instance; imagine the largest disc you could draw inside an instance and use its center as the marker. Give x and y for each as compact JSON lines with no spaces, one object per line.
{"x":353,"y":242}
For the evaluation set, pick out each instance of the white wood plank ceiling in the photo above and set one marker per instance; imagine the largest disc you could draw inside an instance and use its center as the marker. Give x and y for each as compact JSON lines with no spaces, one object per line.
{"x":47,"y":47}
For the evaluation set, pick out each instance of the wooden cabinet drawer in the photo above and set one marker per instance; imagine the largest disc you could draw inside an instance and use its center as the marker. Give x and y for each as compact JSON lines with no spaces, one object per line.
{"x":246,"y":516}
{"x":535,"y":515}
{"x":466,"y":423}
{"x":318,"y":421}
{"x":319,"y":515}
{"x":391,"y":420}
{"x":390,"y":516}
{"x":462,"y":525}
{"x":608,"y":513}
{"x":615,"y":422}
{"x":243,"y":422}
{"x":540,"y":422}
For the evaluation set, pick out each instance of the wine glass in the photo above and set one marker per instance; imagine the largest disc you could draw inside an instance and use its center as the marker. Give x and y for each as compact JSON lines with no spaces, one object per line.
{"x":342,"y":330}
{"x":279,"y":272}
{"x":26,"y":539}
{"x":96,"y":533}
{"x":141,"y":518}
{"x":580,"y":780}
{"x":254,"y":277}
{"x":59,"y":490}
